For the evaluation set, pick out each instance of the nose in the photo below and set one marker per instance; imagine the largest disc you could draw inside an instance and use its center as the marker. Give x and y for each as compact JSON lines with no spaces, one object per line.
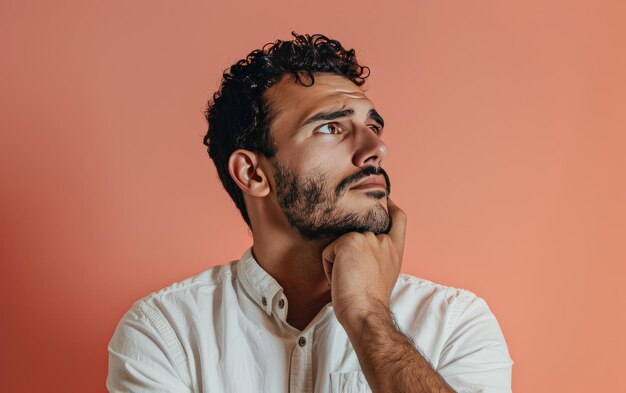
{"x":370,"y":149}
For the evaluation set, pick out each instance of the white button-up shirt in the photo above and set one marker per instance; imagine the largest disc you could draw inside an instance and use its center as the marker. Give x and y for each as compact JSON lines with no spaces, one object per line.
{"x":226,"y":330}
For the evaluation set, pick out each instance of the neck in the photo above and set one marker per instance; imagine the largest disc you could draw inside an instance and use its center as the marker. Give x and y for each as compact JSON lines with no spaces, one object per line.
{"x":296,"y":264}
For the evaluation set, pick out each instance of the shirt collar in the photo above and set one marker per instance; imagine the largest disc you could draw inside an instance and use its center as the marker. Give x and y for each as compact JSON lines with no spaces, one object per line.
{"x":262,"y":287}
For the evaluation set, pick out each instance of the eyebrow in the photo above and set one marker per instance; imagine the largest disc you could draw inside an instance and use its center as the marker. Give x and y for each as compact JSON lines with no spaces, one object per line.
{"x":372,"y":114}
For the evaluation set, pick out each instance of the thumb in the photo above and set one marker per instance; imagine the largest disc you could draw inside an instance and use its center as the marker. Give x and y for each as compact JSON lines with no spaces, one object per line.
{"x":398,"y":229}
{"x":328,"y":259}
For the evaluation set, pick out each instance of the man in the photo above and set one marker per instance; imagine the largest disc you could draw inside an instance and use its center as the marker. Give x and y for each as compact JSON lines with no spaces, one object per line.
{"x":317,"y":304}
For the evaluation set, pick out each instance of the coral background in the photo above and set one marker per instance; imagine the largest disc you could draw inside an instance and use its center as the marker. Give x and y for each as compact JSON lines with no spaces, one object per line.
{"x":506,"y":128}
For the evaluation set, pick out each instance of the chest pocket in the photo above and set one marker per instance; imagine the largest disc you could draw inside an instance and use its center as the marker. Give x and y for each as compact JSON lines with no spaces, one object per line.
{"x":350,"y":382}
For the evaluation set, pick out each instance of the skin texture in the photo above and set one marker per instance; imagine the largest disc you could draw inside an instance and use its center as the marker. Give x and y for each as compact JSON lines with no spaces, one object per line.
{"x":325,"y":242}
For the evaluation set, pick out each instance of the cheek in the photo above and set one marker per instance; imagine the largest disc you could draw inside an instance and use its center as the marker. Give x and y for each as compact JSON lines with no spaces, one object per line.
{"x":328,"y":171}
{"x":323,"y":160}
{"x":310,"y":162}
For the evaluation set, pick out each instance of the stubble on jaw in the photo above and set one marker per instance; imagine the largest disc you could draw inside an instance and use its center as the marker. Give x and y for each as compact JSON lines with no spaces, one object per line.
{"x":313,"y":210}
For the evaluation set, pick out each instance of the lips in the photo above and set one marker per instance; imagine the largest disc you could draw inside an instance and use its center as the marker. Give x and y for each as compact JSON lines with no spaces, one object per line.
{"x":371,"y":181}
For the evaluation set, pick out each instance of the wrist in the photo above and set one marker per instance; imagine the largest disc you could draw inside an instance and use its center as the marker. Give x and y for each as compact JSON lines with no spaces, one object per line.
{"x":358,"y":319}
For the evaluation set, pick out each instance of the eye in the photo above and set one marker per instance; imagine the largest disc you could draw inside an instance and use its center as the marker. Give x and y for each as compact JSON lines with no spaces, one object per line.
{"x":378,"y":130}
{"x":332,"y":128}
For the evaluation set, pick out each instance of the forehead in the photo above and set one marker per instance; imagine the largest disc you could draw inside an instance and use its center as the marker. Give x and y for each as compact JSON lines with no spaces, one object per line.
{"x":292,"y":103}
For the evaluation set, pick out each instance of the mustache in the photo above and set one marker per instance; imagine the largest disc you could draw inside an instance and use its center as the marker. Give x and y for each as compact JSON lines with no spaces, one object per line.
{"x":367,"y":171}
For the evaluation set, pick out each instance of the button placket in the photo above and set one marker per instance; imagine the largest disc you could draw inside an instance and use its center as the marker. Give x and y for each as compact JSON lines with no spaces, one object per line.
{"x":301,"y":378}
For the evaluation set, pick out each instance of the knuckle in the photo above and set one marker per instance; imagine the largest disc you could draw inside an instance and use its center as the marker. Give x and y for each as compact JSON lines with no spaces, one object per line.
{"x":353,"y":236}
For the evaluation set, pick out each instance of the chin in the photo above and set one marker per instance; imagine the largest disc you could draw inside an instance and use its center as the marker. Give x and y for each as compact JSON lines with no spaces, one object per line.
{"x":375,"y":219}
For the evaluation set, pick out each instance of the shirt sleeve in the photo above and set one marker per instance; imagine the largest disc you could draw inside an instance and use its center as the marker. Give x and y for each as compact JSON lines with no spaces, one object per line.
{"x":475,"y":358}
{"x":144,"y":354}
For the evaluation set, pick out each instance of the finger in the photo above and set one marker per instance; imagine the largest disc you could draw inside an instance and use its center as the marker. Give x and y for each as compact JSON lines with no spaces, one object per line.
{"x":398,"y":227}
{"x":328,"y":271}
{"x":328,"y":258}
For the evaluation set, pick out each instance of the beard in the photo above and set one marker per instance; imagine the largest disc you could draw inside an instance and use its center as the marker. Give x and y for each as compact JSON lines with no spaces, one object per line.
{"x":310,"y":203}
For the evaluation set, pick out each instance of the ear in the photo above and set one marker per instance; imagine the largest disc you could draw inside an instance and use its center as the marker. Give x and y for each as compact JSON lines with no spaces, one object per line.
{"x":244,"y":168}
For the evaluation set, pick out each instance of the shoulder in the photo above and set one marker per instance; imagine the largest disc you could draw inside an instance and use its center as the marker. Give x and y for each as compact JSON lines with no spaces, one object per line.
{"x":409,"y":287}
{"x":177,"y":299}
{"x":416,"y":298}
{"x":157,"y":316}
{"x":148,"y":337}
{"x":449,"y":323}
{"x":207,"y":280}
{"x":175,"y":303}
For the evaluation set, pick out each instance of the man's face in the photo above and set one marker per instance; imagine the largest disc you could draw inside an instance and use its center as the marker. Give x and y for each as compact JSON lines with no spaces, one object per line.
{"x":328,"y":139}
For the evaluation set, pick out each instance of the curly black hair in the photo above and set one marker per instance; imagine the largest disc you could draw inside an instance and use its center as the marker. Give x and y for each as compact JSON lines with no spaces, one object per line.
{"x":239,"y":116}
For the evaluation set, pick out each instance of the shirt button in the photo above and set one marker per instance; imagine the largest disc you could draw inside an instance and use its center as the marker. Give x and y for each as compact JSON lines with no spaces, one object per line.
{"x":264,"y":301}
{"x":281,"y":303}
{"x":302,"y":341}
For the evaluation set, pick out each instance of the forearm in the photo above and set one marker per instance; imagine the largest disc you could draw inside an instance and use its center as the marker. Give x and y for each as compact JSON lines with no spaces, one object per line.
{"x":389,"y":360}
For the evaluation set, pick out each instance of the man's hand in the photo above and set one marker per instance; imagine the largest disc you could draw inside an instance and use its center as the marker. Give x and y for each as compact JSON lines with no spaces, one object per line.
{"x":362,"y":269}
